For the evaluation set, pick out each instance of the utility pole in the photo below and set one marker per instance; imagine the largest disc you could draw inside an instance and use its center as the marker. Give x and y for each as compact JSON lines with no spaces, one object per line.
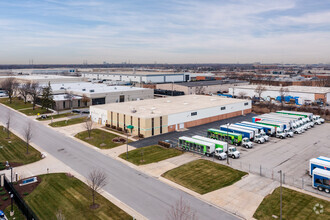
{"x":227,"y":144}
{"x":280,"y":194}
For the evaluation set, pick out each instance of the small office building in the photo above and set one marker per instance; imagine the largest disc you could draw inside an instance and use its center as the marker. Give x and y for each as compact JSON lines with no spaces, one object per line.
{"x":157,"y":116}
{"x":201,"y":87}
{"x":68,"y":95}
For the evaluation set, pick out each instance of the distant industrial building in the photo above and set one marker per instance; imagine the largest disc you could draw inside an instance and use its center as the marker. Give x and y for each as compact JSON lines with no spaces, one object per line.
{"x":138,"y":77}
{"x":72,"y":95}
{"x":304,"y":94}
{"x":157,"y":116}
{"x":44,"y":79}
{"x":201,"y":87}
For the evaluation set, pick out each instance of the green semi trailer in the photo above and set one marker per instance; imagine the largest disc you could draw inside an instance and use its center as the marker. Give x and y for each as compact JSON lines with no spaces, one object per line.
{"x":231,"y":138}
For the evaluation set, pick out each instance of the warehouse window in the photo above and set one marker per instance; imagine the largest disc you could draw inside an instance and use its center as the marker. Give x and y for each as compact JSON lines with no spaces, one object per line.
{"x":78,"y":103}
{"x":117,"y":120}
{"x":246,"y":103}
{"x":139,"y":126}
{"x":161,"y":124}
{"x":193,"y":113}
{"x":152,"y":126}
{"x":223,"y":108}
{"x":111,"y":119}
{"x":124,"y":121}
{"x":131,"y":120}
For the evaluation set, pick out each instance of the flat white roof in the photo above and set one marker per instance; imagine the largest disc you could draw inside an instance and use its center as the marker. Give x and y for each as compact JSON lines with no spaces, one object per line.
{"x":63,"y":97}
{"x":307,"y":89}
{"x":171,"y":105}
{"x":85,"y":87}
{"x":39,"y":77}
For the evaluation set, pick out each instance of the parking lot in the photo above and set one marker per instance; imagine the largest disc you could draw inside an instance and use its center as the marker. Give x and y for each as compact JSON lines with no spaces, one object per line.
{"x":291,"y":155}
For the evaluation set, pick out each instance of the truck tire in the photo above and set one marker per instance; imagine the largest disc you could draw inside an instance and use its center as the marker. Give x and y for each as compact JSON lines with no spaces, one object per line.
{"x":259,"y":142}
{"x":236,"y":144}
{"x":320,"y":188}
{"x":233,"y":156}
{"x":327,"y":190}
{"x":247,"y":146}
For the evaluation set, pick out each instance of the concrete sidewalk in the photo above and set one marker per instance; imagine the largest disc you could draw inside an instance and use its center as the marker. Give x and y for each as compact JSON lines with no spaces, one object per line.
{"x":52,"y":165}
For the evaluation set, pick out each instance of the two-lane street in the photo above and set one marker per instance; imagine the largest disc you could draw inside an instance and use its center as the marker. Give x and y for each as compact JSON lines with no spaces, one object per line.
{"x":147,"y":195}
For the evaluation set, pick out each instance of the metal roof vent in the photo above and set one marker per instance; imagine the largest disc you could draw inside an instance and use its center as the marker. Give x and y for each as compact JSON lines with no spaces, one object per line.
{"x":133,"y":110}
{"x":83,"y":89}
{"x":92,"y":90}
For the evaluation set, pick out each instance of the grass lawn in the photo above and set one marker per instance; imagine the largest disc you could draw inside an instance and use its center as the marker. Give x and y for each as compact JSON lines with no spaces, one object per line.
{"x":203,"y":176}
{"x":68,"y":122}
{"x":151,"y":154}
{"x":16,"y":103}
{"x":15,"y":152}
{"x":296,"y":205}
{"x":17,"y":213}
{"x":30,"y":112}
{"x":99,"y":138}
{"x":72,"y":197}
{"x":55,"y":116}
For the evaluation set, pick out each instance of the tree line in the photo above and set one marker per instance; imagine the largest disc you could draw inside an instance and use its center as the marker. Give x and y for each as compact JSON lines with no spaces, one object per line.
{"x":28,"y":91}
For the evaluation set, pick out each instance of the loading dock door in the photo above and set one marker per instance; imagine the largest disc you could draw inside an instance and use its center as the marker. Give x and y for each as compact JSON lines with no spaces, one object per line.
{"x":180,"y":126}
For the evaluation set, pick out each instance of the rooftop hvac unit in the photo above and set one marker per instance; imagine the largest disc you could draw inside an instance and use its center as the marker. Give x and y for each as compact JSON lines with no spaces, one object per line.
{"x":133,"y":110}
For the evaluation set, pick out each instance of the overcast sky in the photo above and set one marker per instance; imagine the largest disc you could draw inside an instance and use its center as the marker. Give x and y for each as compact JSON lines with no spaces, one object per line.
{"x":164,"y":31}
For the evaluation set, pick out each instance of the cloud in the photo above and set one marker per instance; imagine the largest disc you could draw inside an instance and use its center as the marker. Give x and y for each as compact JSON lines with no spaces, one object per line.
{"x":169,"y":31}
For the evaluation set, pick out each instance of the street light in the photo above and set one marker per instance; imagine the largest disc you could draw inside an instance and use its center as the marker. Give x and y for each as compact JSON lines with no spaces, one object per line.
{"x":227,"y":144}
{"x":128,"y":127}
{"x":280,"y":172}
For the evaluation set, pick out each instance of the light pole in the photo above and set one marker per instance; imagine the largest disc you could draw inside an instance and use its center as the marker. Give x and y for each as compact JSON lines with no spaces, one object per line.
{"x":128,"y":127}
{"x":11,"y":175}
{"x":227,"y":144}
{"x":280,"y":172}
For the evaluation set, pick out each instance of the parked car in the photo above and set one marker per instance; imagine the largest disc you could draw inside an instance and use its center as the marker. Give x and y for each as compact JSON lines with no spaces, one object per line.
{"x":76,"y":111}
{"x":85,"y":112}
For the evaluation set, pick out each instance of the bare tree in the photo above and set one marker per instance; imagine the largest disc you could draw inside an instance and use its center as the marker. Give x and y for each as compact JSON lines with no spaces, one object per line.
{"x":283,"y":92}
{"x":199,"y":90}
{"x":59,"y":215}
{"x":34,"y":93}
{"x":181,"y":211}
{"x":97,"y":179}
{"x":85,"y":99}
{"x":24,"y":90}
{"x":10,"y":86}
{"x":28,"y":136}
{"x":242,"y":94}
{"x":259,"y":90}
{"x":8,"y":125}
{"x":89,"y":126}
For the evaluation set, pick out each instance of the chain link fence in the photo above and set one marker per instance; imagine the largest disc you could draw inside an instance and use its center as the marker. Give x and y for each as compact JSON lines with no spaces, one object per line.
{"x":304,"y":183}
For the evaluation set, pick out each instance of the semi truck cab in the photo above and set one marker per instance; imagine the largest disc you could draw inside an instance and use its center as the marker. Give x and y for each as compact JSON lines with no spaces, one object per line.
{"x":264,"y":135}
{"x":247,"y":143}
{"x":259,"y":139}
{"x":280,"y":134}
{"x":233,"y":152}
{"x":288,"y":132}
{"x":220,"y":154}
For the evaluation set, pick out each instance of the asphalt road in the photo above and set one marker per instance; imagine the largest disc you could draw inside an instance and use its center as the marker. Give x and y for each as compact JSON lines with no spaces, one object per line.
{"x":147,"y":195}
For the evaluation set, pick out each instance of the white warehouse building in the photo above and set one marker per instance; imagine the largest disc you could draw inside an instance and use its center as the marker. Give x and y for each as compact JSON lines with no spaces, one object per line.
{"x":138,"y":77}
{"x":305,"y":94}
{"x":157,"y":116}
{"x":97,"y":93}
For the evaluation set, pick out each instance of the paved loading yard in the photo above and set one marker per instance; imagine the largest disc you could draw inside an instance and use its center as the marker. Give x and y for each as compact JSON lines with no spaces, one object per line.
{"x":290,"y":155}
{"x":198,"y":130}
